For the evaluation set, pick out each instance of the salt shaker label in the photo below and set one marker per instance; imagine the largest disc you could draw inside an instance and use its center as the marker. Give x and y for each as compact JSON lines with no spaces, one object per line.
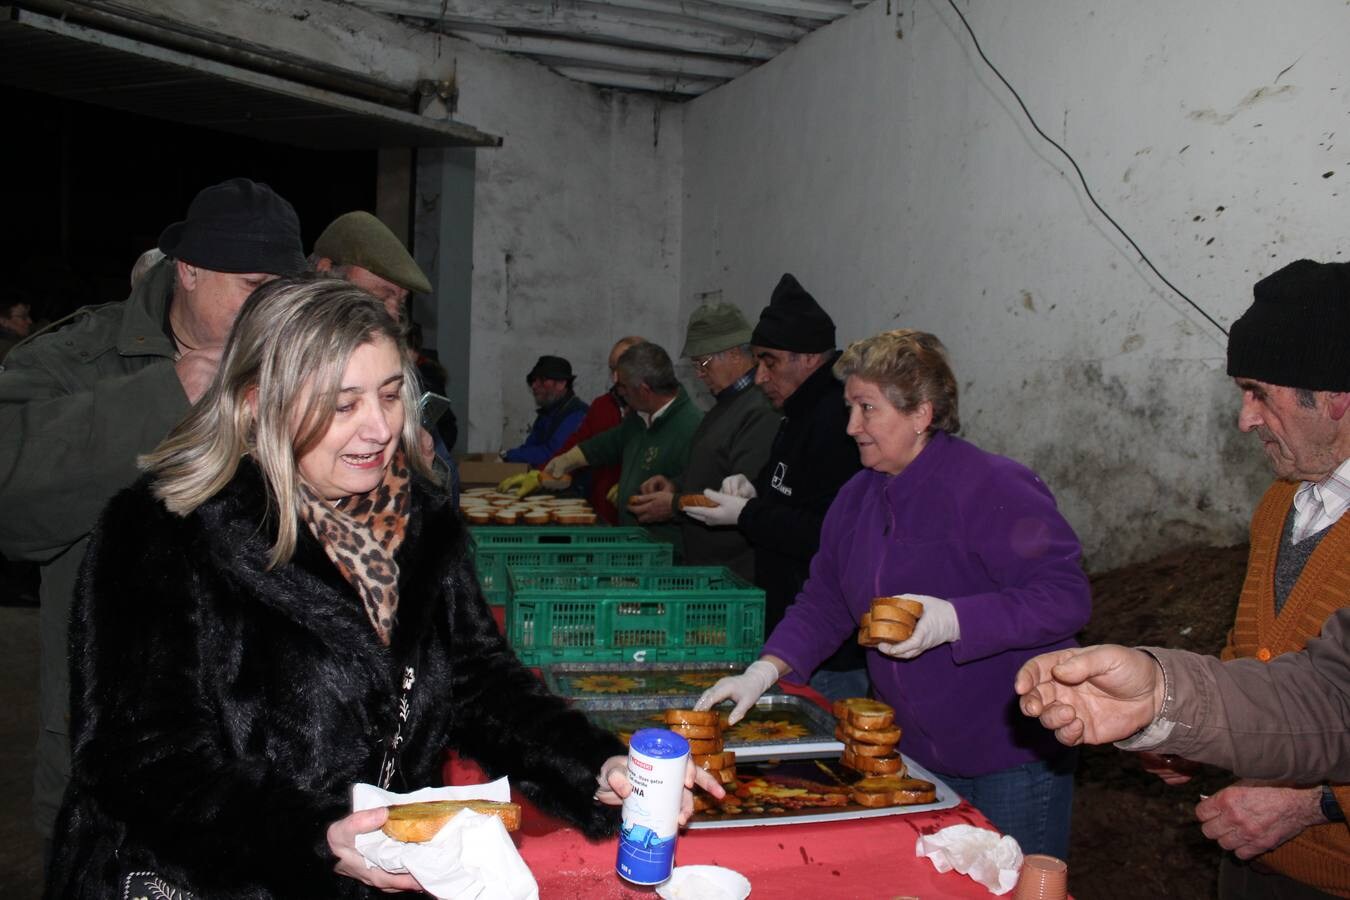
{"x":656,"y":766}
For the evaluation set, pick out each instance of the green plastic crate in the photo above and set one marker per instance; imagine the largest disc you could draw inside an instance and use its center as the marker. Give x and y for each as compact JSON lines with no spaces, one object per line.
{"x":665,"y":614}
{"x":494,"y":549}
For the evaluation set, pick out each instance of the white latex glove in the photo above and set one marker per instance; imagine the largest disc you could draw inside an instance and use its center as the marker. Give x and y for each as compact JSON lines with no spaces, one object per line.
{"x":726,"y":512}
{"x":743,"y":689}
{"x":937,"y":625}
{"x":739,"y":486}
{"x":560,"y":465}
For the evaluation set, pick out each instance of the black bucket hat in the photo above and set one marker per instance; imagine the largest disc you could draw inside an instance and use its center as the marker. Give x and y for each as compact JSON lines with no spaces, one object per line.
{"x":238,"y":226}
{"x":554,"y":367}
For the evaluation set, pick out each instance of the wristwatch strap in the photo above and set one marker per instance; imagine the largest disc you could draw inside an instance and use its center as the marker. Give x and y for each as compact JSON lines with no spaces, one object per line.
{"x":1331,"y":809}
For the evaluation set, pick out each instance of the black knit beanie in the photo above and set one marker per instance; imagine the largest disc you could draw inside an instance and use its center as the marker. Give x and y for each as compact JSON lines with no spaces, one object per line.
{"x":794,"y":321}
{"x":1296,"y":332}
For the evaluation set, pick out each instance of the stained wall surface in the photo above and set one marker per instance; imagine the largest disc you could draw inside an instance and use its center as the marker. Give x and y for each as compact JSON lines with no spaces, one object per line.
{"x":885,"y":165}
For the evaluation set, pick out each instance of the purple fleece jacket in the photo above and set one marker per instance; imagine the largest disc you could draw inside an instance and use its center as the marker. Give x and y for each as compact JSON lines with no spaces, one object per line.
{"x":980,"y":531}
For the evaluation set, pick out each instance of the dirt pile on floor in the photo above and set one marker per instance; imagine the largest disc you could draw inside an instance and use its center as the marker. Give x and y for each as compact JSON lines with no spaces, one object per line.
{"x":1133,"y":836}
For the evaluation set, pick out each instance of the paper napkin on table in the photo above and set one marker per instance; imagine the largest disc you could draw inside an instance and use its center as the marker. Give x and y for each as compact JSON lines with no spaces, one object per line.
{"x":993,"y":861}
{"x":471,"y":858}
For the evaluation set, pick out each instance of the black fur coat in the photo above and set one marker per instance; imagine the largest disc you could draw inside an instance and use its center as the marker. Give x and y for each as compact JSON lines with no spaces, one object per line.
{"x":220,"y":711}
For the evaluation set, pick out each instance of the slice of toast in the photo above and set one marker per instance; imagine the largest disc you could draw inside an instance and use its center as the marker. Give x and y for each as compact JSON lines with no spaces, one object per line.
{"x":688,"y":500}
{"x":893,"y":790}
{"x":415,"y":823}
{"x":693,"y":717}
{"x":874,"y":765}
{"x":912,"y":607}
{"x":888,"y":735}
{"x":864,"y":713}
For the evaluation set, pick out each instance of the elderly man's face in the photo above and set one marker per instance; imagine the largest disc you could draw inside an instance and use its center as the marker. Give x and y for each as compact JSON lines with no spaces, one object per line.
{"x":719,"y":371}
{"x":1300,"y":441}
{"x":547,"y":390}
{"x":212,"y":301}
{"x":780,"y":372}
{"x":19,"y":320}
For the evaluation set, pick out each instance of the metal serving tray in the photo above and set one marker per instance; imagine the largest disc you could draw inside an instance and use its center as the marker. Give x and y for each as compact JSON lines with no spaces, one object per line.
{"x":610,"y":681}
{"x":826,"y":771}
{"x":781,"y":726}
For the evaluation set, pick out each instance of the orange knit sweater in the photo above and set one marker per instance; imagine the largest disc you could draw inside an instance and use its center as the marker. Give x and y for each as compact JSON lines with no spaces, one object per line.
{"x":1320,"y":855}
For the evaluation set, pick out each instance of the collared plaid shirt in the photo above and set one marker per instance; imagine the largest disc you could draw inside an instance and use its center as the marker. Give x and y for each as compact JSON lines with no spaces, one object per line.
{"x":1318,"y":505}
{"x":739,"y":384}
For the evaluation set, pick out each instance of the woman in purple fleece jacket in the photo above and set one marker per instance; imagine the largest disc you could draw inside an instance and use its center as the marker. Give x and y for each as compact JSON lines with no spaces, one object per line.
{"x":978,"y":540}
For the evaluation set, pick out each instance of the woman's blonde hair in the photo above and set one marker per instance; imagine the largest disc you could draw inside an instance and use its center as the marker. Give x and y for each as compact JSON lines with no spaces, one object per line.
{"x":274,"y":396}
{"x":911,"y":368}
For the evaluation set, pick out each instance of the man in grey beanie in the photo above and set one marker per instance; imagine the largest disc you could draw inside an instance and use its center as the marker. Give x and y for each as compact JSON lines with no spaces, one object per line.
{"x":734,"y":436}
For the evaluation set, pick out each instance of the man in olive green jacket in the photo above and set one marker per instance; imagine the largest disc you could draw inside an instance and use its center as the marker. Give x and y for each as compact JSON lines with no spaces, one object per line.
{"x":653,"y":439}
{"x":734,"y":436}
{"x":79,"y":401}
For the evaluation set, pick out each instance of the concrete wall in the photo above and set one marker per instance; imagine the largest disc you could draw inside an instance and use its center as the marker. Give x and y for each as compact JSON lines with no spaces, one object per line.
{"x":576,"y":235}
{"x":898,"y":180}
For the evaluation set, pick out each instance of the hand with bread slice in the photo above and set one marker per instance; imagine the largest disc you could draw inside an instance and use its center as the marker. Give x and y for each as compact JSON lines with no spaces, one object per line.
{"x":342,"y":842}
{"x":614,"y":786}
{"x":744,"y":689}
{"x":937,"y":624}
{"x":727,"y":503}
{"x":563,"y":463}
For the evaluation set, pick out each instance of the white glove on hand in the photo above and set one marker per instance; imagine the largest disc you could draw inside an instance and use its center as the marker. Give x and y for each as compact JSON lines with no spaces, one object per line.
{"x":937,"y":625}
{"x":560,"y":465}
{"x":739,"y":486}
{"x":743,"y":689}
{"x":726,"y":512}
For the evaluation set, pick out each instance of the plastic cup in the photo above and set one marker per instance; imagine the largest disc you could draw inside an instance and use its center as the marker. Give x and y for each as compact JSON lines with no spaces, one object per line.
{"x":1043,"y":878}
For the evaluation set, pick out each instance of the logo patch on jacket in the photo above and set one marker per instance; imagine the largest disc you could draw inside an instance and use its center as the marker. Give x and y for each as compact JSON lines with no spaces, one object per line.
{"x":650,"y":459}
{"x":778,"y":483}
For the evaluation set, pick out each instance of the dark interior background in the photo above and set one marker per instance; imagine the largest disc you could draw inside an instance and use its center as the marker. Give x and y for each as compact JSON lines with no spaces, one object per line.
{"x":88,"y":189}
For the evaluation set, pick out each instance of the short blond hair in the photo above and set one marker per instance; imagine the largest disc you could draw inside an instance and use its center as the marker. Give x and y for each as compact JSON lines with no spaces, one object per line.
{"x":911,"y":369}
{"x":283,"y":364}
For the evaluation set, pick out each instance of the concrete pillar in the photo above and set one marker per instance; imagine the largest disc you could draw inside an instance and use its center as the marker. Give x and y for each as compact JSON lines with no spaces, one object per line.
{"x":443,"y":247}
{"x":393,"y":190}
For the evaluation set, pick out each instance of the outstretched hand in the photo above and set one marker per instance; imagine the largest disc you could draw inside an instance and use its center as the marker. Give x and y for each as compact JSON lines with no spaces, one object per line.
{"x":1091,"y":695}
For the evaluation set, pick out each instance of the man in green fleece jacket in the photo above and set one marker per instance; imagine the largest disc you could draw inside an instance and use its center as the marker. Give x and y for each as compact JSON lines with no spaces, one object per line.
{"x":734,"y":436}
{"x":653,"y":439}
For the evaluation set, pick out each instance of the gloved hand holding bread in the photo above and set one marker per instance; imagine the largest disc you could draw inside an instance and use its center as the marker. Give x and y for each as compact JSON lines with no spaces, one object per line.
{"x":937,"y":623}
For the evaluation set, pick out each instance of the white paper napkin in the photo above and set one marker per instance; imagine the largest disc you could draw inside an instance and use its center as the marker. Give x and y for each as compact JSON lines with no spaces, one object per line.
{"x":704,"y":883}
{"x":991,"y":860}
{"x":471,"y":858}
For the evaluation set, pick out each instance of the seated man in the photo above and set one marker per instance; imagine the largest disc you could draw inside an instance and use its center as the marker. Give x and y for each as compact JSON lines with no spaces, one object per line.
{"x":734,"y":436}
{"x":560,"y":411}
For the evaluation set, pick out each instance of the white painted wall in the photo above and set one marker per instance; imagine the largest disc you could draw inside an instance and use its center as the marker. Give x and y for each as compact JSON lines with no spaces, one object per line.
{"x":901,"y":184}
{"x":576,"y":236}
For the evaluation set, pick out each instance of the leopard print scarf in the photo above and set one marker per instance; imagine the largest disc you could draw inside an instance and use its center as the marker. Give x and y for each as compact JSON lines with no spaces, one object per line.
{"x":361,"y":534}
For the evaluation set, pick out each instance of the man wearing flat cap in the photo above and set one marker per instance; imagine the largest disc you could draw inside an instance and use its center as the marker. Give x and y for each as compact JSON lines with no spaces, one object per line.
{"x":560,"y":412}
{"x":359,"y":248}
{"x":81,"y":400}
{"x":734,"y":436}
{"x":1287,"y":355}
{"x":781,"y":508}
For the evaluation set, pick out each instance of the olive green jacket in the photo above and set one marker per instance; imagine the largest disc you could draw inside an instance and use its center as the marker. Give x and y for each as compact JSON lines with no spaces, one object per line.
{"x":78,"y":402}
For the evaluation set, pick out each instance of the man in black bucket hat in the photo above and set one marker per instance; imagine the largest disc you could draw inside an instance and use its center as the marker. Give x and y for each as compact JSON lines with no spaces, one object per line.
{"x":559,"y":411}
{"x":81,"y":399}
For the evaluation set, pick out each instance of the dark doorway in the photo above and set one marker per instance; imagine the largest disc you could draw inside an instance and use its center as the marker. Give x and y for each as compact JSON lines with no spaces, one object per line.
{"x":88,"y":189}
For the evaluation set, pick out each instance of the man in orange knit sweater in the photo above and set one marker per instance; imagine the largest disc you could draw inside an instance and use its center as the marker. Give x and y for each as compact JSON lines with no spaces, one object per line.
{"x":1287,"y":354}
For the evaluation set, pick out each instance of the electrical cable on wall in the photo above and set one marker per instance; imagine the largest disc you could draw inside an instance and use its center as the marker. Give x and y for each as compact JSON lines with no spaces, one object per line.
{"x":1030,"y":118}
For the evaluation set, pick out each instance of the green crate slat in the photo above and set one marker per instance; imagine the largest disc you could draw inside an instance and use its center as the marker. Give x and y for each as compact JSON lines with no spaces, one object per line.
{"x":654,"y":614}
{"x":495,"y":549}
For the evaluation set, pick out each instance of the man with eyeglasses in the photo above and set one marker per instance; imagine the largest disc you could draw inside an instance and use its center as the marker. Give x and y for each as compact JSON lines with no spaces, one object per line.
{"x":782,"y":510}
{"x":734,"y":436}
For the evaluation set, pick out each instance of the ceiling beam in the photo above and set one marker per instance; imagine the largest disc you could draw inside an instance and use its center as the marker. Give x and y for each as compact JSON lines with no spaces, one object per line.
{"x":824,"y":10}
{"x":561,"y":51}
{"x":721,"y":14}
{"x":638,"y":81}
{"x":594,"y":21}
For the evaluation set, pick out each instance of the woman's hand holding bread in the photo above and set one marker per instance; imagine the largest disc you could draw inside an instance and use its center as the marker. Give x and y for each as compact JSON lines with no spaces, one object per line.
{"x":614,"y":786}
{"x":342,"y":842}
{"x":743,"y":689}
{"x":938,"y":625}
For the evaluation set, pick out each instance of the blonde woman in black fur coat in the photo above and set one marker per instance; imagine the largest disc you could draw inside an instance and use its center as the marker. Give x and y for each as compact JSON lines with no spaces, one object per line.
{"x":245,"y":617}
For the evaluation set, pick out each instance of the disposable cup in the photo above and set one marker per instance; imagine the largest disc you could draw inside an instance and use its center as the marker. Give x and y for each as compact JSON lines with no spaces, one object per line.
{"x":1043,"y":878}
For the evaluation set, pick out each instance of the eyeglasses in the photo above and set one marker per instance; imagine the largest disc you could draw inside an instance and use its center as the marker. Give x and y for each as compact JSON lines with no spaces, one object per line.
{"x":702,"y":364}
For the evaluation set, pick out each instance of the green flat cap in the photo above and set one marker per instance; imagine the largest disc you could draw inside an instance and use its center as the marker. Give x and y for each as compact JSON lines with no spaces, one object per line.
{"x":714,"y":327}
{"x":359,"y":239}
